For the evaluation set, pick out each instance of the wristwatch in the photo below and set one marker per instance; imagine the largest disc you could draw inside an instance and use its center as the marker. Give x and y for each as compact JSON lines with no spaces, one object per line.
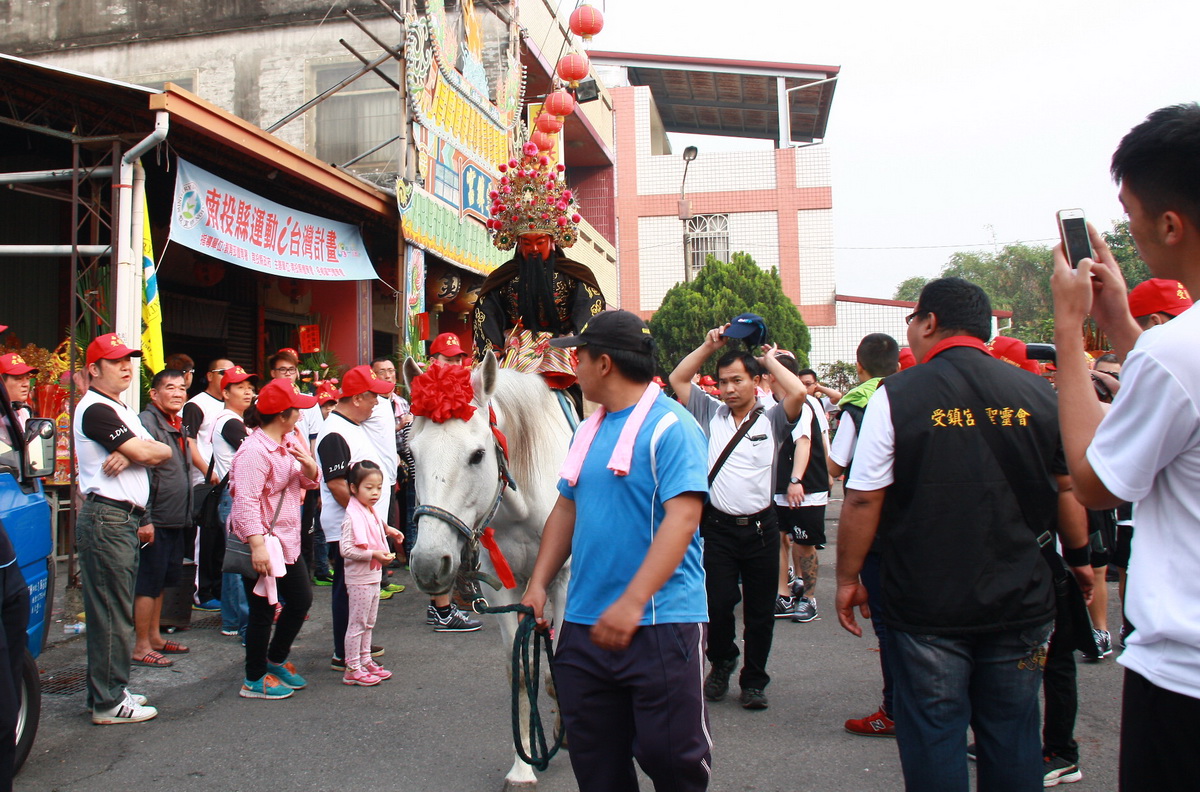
{"x":793,"y":480}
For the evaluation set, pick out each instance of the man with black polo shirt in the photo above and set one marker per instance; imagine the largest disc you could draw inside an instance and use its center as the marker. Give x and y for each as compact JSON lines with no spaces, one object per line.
{"x":341,"y":443}
{"x":112,"y":453}
{"x":942,"y":452}
{"x":741,"y":540}
{"x":209,"y":547}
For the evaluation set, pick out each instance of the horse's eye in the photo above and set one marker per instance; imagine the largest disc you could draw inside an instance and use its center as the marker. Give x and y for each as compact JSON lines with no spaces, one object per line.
{"x":477,"y":457}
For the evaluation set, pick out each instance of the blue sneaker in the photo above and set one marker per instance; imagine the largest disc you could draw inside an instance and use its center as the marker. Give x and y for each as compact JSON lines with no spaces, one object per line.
{"x":269,"y":687}
{"x":212,"y":606}
{"x":287,"y":675}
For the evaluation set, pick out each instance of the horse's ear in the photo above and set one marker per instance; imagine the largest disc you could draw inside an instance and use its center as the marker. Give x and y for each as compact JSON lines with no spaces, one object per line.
{"x":410,"y":370}
{"x":484,"y":379}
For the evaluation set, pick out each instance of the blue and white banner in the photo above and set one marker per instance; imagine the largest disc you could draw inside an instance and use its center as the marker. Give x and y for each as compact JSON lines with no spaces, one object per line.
{"x":224,"y":221}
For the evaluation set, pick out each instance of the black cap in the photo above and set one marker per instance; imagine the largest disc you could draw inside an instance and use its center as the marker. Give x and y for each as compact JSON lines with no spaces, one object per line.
{"x":748,"y":326}
{"x":612,"y":329}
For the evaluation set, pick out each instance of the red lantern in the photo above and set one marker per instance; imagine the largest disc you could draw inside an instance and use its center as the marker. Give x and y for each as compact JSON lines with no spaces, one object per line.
{"x":208,"y":272}
{"x":548,"y":123}
{"x":560,"y":104}
{"x":294,"y":289}
{"x":574,"y":67}
{"x":543,"y":141}
{"x":586,"y":21}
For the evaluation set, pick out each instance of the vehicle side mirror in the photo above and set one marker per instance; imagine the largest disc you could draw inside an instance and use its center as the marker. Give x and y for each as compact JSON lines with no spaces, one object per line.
{"x":40,"y":451}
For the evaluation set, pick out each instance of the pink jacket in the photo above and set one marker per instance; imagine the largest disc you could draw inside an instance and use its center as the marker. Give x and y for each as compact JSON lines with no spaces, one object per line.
{"x":362,"y":534}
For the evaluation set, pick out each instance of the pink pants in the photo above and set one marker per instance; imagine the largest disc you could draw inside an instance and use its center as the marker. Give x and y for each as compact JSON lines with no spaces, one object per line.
{"x":364,"y":605}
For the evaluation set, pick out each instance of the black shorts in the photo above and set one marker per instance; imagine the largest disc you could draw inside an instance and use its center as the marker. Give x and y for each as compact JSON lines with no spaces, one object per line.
{"x":1122,"y":546}
{"x":160,"y":563}
{"x":805,"y":524}
{"x":1102,"y":527}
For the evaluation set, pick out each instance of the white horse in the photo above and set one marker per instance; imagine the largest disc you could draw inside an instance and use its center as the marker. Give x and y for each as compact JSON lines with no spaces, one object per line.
{"x":458,"y":471}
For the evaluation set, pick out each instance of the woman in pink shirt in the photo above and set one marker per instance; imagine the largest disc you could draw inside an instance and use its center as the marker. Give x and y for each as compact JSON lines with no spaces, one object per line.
{"x":270,"y":470}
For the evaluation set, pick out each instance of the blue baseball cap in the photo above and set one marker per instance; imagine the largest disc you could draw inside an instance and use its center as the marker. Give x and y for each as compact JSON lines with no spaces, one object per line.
{"x":748,"y":326}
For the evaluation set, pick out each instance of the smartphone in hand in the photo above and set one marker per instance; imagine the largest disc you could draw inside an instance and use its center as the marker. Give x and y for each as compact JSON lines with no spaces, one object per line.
{"x":1072,"y":228}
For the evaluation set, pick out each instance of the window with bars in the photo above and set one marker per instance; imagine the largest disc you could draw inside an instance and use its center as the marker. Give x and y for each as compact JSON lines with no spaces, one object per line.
{"x":356,"y":119}
{"x":707,"y":235}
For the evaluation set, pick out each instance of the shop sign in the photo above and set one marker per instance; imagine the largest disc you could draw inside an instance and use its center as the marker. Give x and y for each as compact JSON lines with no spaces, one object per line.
{"x":433,"y":226}
{"x":222,"y":220}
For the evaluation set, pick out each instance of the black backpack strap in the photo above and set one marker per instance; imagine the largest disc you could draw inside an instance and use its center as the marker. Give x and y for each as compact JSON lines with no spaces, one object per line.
{"x":751,"y":419}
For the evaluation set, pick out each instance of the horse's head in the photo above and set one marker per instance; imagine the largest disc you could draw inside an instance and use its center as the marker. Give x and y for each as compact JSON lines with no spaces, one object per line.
{"x":457,"y":472}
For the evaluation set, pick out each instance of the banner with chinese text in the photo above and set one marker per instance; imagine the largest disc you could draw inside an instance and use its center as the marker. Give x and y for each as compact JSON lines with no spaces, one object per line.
{"x":222,"y":220}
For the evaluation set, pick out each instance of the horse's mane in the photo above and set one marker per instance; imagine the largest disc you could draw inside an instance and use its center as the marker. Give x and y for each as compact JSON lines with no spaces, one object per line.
{"x":527,"y":424}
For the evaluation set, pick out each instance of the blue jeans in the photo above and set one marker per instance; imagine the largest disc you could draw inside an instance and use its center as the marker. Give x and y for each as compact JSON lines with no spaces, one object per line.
{"x":235,"y":610}
{"x":870,"y":579}
{"x":989,"y":681}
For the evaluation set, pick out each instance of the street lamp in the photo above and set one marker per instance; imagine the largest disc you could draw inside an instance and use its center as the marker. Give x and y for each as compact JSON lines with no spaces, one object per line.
{"x":685,"y":212}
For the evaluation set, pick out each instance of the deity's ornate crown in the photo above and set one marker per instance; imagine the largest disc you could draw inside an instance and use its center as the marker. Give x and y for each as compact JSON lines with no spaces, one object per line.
{"x":532,"y":199}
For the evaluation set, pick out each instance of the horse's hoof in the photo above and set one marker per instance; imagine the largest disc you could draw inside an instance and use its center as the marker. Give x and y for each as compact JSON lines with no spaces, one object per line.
{"x":520,"y":786}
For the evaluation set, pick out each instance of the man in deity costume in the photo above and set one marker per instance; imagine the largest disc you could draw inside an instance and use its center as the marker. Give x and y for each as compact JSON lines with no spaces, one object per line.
{"x":539,"y":294}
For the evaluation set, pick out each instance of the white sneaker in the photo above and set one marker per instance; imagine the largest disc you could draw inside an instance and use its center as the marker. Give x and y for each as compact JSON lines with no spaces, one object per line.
{"x":128,"y":711}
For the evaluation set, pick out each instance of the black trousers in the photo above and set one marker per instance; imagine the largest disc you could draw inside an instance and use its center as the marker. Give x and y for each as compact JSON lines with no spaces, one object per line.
{"x":1059,"y":685}
{"x":209,"y":557}
{"x":14,"y":610}
{"x":1158,"y":738}
{"x":295,"y":592}
{"x":748,"y":554}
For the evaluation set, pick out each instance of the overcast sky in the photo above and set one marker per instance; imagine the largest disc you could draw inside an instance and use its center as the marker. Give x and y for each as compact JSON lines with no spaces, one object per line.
{"x":954,"y":124}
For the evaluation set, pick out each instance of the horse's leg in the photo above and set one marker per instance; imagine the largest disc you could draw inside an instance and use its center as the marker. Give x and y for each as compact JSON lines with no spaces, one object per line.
{"x":521,"y":775}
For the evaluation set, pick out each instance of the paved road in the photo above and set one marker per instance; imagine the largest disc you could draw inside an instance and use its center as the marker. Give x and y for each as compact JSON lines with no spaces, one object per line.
{"x":443,"y":723}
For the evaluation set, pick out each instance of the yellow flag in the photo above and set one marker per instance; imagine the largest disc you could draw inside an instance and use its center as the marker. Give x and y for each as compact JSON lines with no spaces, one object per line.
{"x":152,"y":340}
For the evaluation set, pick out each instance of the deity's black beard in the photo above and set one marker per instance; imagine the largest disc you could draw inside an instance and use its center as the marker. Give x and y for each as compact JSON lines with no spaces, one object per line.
{"x":535,"y":298}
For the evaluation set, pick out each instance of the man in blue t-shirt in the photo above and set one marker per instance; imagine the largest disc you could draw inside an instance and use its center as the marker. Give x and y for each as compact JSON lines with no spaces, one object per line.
{"x":631,"y":648}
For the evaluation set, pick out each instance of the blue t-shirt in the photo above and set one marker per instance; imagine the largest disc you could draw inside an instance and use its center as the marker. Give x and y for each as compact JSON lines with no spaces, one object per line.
{"x":617,"y":517}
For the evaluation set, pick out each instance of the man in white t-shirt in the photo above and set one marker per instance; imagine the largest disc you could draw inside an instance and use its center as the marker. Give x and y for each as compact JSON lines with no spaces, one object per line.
{"x":113,"y":452}
{"x":1147,"y":448}
{"x":209,"y":547}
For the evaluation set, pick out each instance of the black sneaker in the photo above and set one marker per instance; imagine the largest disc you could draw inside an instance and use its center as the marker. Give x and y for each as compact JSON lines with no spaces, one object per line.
{"x":754,"y":699}
{"x":806,"y":610}
{"x":456,"y":621}
{"x":716,"y":684}
{"x":784,"y":607}
{"x":1060,"y":771}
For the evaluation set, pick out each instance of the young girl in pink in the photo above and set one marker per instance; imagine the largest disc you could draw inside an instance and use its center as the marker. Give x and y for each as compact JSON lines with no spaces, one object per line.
{"x":364,"y":553}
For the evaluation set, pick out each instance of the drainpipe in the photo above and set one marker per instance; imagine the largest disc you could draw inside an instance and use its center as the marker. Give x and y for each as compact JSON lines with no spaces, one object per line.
{"x":128,"y":317}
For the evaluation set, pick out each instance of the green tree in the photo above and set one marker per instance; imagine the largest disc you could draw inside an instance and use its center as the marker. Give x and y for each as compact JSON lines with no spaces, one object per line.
{"x":718,"y":293}
{"x":1120,"y":242}
{"x":910,"y":288}
{"x":839,"y":375}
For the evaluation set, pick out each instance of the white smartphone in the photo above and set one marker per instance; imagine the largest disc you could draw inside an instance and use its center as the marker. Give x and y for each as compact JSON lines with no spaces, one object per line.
{"x":1072,"y":228}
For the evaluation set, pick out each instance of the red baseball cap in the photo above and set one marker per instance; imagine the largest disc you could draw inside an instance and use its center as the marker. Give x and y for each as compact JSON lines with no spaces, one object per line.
{"x":109,"y":347}
{"x":278,"y":395}
{"x":361,"y":379}
{"x":1010,"y":350}
{"x":1159,"y":295}
{"x":907,"y":359}
{"x":234,"y":375}
{"x":446,"y":344}
{"x":293,"y":354}
{"x":327,"y":392}
{"x":14,"y":365}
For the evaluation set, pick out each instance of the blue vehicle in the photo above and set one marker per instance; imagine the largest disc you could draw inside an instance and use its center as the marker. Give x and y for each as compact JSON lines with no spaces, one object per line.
{"x":26,"y":458}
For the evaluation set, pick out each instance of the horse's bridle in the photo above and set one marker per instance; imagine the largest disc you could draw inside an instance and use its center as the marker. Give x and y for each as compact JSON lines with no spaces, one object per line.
{"x":472,"y":533}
